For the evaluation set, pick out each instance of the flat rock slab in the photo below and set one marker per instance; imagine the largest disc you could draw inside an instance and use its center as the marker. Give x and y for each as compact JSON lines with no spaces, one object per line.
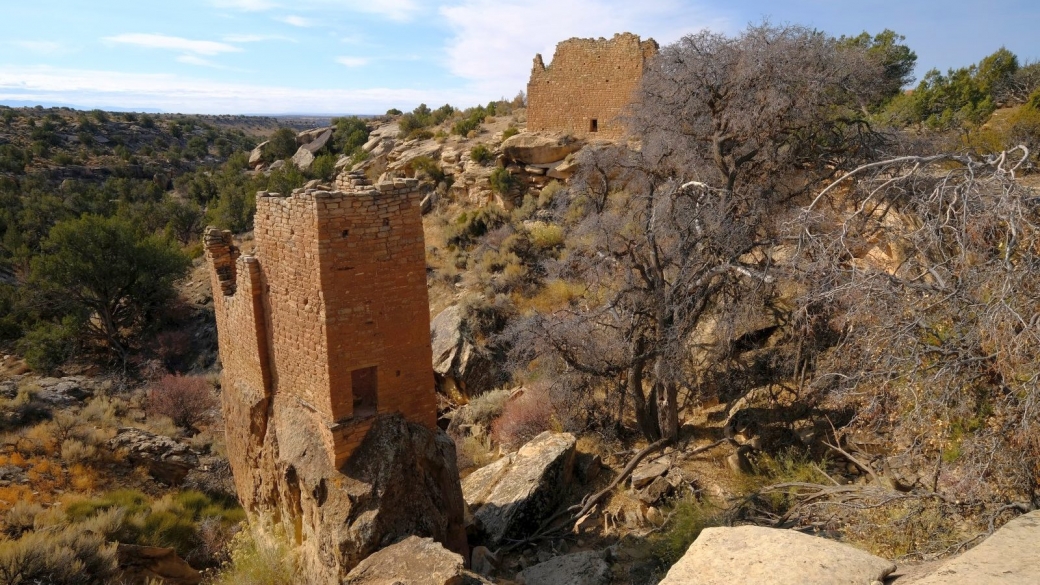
{"x":582,"y":568}
{"x":167,"y":460}
{"x":535,"y":148}
{"x":752,"y":554}
{"x":1011,"y":556}
{"x":413,"y":561}
{"x":511,"y":496}
{"x":646,"y":473}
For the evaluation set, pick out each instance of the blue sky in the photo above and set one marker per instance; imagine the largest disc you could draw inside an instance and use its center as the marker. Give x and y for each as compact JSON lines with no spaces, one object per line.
{"x":365,"y":56}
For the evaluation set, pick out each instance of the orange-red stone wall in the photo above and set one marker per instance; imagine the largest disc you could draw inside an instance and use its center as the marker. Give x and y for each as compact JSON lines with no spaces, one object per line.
{"x":588,"y":79}
{"x":337,"y":282}
{"x":286,"y":232}
{"x":374,"y":269}
{"x":243,"y":355}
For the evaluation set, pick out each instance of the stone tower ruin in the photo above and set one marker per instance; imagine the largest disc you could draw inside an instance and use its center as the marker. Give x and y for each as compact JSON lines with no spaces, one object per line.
{"x":587,"y":85}
{"x":329,"y":313}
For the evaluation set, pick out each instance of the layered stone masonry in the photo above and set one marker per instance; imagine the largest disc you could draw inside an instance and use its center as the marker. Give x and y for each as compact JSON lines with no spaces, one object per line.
{"x":331,"y":308}
{"x":587,"y":86}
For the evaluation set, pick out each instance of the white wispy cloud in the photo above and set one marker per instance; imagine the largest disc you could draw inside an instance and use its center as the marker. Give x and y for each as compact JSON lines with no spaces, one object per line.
{"x":494,"y":41}
{"x":174,"y":93}
{"x":295,"y":20}
{"x":199,"y":61}
{"x":247,"y":5}
{"x":39,"y":47}
{"x":256,"y":38}
{"x":352,"y":61}
{"x":154,"y":41}
{"x":399,"y":10}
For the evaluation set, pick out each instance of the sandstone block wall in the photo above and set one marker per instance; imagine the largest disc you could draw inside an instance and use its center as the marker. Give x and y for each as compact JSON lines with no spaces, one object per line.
{"x":587,"y":85}
{"x":333,"y":296}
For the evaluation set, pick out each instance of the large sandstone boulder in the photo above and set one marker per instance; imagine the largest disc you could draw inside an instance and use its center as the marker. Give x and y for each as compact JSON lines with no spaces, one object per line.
{"x":456,"y":358}
{"x":309,"y":136}
{"x":63,"y":391}
{"x":141,"y":565}
{"x":753,"y":554}
{"x":319,"y":142}
{"x":510,"y":497}
{"x":446,"y":338}
{"x":256,"y":156}
{"x":538,"y":148}
{"x":402,"y":160}
{"x":413,"y":561}
{"x":582,"y":568}
{"x":166,"y":459}
{"x":303,"y":159}
{"x":400,"y":481}
{"x":1011,"y":556}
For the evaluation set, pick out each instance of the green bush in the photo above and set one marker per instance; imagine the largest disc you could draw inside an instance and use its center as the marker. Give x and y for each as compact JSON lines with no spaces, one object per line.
{"x":688,"y":519}
{"x":426,"y":166}
{"x":502,"y":181}
{"x":281,"y":145}
{"x":416,"y":123}
{"x":49,"y":345}
{"x":481,"y":154}
{"x":470,"y":122}
{"x":470,"y":226}
{"x":12,"y":159}
{"x":323,"y":167}
{"x":350,"y":135}
{"x":1034,"y":100}
{"x":510,"y":132}
{"x":393,"y":112}
{"x":105,"y":267}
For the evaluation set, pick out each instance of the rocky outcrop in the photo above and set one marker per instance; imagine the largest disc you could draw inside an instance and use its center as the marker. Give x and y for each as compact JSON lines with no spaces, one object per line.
{"x":539,"y":148}
{"x":446,"y":338}
{"x":413,"y":561}
{"x":314,"y":134}
{"x":318,"y":142}
{"x":303,"y":159}
{"x":166,"y":459}
{"x":64,"y":391}
{"x":456,"y":361}
{"x":582,"y":568}
{"x":256,"y":157}
{"x":753,"y":554}
{"x":401,"y":480}
{"x":1011,"y":556}
{"x":140,"y":565}
{"x":511,"y":496}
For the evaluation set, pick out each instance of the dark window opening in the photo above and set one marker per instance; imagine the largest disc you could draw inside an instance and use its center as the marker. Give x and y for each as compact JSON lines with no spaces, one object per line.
{"x":346,"y":233}
{"x":594,"y":125}
{"x":363,"y":385}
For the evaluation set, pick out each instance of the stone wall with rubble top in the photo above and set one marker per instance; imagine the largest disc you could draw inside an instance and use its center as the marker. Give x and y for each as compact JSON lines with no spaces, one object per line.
{"x":587,"y":85}
{"x":336,"y":284}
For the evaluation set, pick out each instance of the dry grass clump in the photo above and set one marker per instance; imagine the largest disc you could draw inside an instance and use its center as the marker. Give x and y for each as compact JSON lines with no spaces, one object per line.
{"x":255,"y":559}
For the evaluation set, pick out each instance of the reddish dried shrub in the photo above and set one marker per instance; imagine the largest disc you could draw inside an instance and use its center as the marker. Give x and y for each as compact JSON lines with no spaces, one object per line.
{"x":523,"y":417}
{"x":186,"y":400}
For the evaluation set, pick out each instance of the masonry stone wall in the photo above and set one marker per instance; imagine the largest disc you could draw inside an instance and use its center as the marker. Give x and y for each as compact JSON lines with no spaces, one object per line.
{"x":335,"y":291}
{"x":587,"y":85}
